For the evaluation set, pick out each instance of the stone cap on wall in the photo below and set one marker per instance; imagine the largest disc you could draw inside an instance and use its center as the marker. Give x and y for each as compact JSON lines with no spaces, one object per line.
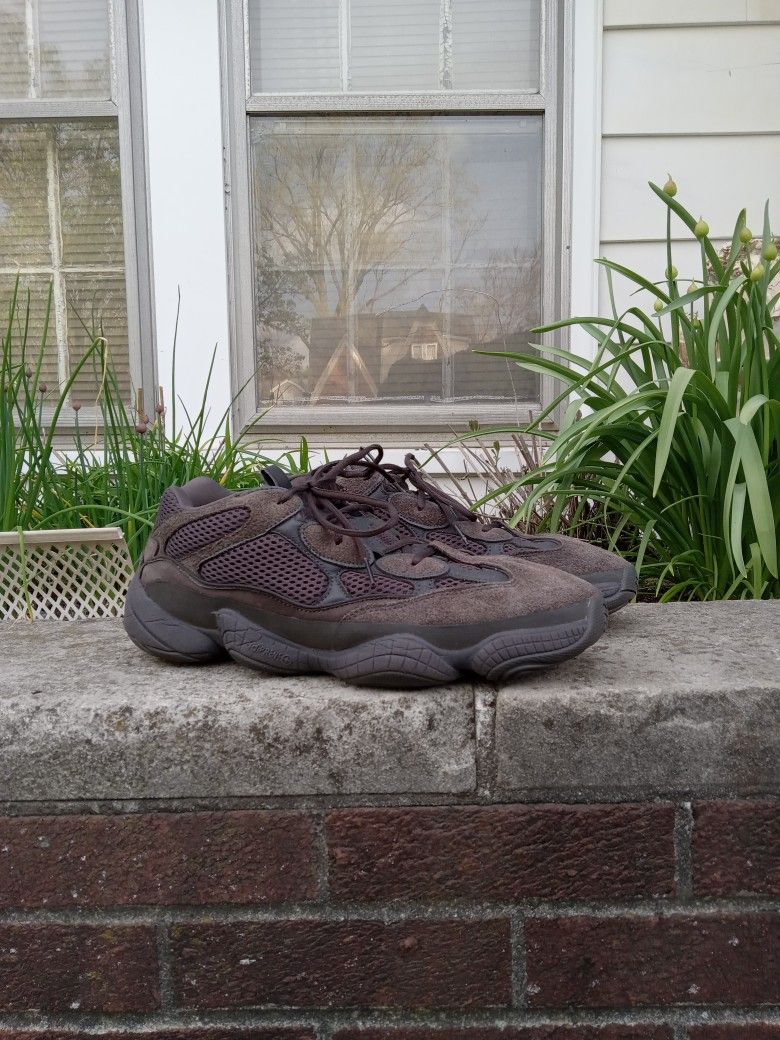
{"x":676,"y":699}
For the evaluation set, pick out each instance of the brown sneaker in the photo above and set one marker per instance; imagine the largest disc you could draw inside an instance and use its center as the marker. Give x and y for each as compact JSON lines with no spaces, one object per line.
{"x":428,"y":514}
{"x":314,"y":577}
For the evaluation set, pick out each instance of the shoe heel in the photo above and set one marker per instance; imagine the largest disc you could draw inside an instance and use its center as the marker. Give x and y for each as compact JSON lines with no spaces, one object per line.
{"x":159,"y":633}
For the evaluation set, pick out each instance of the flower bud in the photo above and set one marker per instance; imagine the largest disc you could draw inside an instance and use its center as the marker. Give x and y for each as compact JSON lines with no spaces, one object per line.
{"x":670,"y":187}
{"x":745,"y":235}
{"x":28,"y":372}
{"x":757,"y":273}
{"x":671,"y":273}
{"x":658,"y":306}
{"x":141,"y":428}
{"x":702,"y":228}
{"x":159,"y":409}
{"x":770,"y":252}
{"x":692,"y":287}
{"x":76,"y":406}
{"x":43,"y":387}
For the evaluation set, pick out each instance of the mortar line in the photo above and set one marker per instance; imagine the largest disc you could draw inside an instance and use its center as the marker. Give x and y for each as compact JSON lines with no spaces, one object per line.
{"x":11,"y":808}
{"x":485,"y":740}
{"x":519,"y":961}
{"x":389,"y":912}
{"x":683,"y":853}
{"x":164,"y":965}
{"x":321,"y":856}
{"x":328,"y":1020}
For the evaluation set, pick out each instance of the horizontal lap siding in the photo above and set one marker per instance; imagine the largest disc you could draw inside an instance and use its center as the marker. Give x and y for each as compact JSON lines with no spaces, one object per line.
{"x":686,"y":94}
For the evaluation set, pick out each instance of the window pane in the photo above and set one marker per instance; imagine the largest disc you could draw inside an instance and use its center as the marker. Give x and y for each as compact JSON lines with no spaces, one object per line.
{"x":14,"y":74}
{"x":496,"y":43}
{"x":294,"y":45}
{"x":27,"y":344}
{"x":61,"y":220}
{"x":97,"y":307}
{"x":388,"y":250}
{"x":24,"y":213}
{"x":90,"y":197}
{"x":398,"y":45}
{"x":73,"y":42}
{"x":394,"y":44}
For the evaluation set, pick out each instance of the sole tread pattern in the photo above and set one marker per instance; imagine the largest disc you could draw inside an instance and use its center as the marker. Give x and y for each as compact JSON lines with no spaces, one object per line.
{"x":400,"y":660}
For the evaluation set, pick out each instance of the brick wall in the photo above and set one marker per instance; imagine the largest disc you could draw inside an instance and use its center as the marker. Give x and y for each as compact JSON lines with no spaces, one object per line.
{"x":650,"y":921}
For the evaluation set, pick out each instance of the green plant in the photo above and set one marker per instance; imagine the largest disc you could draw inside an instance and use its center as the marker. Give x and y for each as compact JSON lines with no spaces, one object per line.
{"x":111,"y":470}
{"x":674,"y":424}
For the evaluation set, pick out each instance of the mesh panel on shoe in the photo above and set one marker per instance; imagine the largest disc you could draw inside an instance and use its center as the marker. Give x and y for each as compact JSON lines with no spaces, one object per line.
{"x":206,"y":529}
{"x":456,"y":542}
{"x":358,"y":583}
{"x":169,"y":506}
{"x":447,"y":583}
{"x":269,"y":563}
{"x":399,"y":531}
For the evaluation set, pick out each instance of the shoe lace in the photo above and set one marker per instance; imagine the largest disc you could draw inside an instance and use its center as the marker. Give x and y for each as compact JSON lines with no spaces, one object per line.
{"x":410,"y":477}
{"x":335,"y":508}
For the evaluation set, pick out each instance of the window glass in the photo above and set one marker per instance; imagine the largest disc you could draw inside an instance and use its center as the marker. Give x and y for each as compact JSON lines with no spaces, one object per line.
{"x":394,"y":45}
{"x":73,"y":41}
{"x":61,"y":222}
{"x":14,"y":67}
{"x":496,"y":43}
{"x":36,"y":289}
{"x":294,"y":45}
{"x":55,"y":49}
{"x":389,"y":249}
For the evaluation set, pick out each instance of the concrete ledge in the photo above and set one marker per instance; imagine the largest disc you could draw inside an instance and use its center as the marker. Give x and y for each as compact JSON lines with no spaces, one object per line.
{"x":675,"y":699}
{"x":84,"y":714}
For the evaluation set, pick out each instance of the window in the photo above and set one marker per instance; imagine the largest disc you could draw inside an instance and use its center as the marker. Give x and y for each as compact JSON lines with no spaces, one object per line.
{"x":395,"y":180}
{"x":68,"y":215}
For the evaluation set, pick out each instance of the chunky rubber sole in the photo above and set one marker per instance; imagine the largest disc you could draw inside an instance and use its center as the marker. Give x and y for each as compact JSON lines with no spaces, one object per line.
{"x":404,"y":659}
{"x":618,"y":587}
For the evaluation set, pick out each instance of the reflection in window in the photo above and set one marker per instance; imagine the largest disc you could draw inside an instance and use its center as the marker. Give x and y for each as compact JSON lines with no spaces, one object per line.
{"x":55,"y":49}
{"x":60,"y":198}
{"x":61,"y":223}
{"x":378,"y":45}
{"x":388,"y":251}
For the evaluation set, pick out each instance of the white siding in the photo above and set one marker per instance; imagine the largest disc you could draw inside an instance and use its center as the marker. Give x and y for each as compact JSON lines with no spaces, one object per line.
{"x":690,"y":87}
{"x":688,"y":12}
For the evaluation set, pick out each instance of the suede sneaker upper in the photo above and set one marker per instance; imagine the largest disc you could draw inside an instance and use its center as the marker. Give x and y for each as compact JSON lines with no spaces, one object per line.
{"x":429,"y":514}
{"x":317,"y":576}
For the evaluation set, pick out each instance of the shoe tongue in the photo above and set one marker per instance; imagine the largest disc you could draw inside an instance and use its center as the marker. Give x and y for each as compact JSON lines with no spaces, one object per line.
{"x":274,"y":476}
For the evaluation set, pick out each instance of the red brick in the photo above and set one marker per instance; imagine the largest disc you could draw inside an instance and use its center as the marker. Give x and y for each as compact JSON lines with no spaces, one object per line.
{"x":525,"y":1033}
{"x":616,"y":962}
{"x":507,"y":853}
{"x":159,"y":858}
{"x":205,"y":1033}
{"x":309,"y":963}
{"x":760,"y":1031}
{"x":78,"y":968}
{"x":736,"y":849}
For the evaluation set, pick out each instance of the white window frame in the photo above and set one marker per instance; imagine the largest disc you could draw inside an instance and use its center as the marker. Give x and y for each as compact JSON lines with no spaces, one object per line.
{"x":392,"y":423}
{"x":126,"y":107}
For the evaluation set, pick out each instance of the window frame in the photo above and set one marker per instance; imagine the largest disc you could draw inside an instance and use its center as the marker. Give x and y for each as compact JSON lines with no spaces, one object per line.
{"x":126,"y":106}
{"x":552,"y":101}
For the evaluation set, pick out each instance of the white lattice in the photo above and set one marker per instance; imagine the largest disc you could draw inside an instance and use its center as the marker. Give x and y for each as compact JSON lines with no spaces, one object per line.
{"x":63,"y":575}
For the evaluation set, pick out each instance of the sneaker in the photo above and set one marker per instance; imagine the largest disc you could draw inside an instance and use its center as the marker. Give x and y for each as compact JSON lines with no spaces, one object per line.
{"x":313,"y":576}
{"x":430,"y":515}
